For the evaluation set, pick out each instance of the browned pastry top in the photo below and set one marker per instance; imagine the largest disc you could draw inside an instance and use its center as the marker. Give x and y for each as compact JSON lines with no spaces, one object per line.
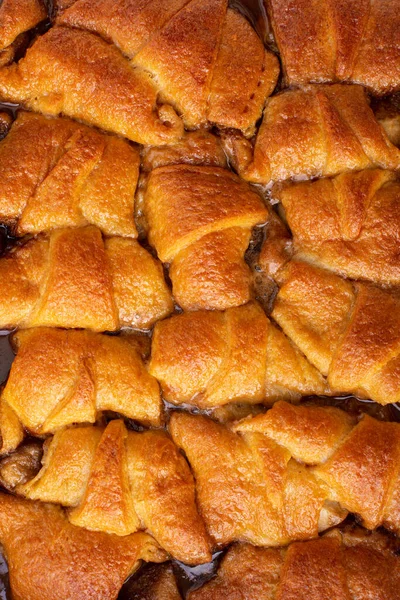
{"x":58,"y":173}
{"x":314,"y":131}
{"x":48,"y":558}
{"x":351,"y":332}
{"x":208,"y":61}
{"x":75,"y":278}
{"x":338,"y":566}
{"x":78,"y":74}
{"x":60,"y":377}
{"x":16,"y":17}
{"x":350,"y":223}
{"x":350,"y":40}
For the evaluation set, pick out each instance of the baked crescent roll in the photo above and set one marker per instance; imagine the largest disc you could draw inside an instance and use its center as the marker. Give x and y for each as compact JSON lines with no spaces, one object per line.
{"x":209,"y":359}
{"x":16,"y":17}
{"x":351,"y":40}
{"x":58,"y":173}
{"x":119,"y":481}
{"x":200,"y":220}
{"x":81,"y":76}
{"x":340,"y":565}
{"x":318,"y":130}
{"x":206,"y":58}
{"x":350,"y":224}
{"x":350,"y":332}
{"x":74,"y":278}
{"x":49,"y":559}
{"x":291,"y":472}
{"x":60,"y":377}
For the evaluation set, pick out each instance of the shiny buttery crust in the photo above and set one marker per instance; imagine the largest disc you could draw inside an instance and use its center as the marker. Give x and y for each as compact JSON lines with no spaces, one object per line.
{"x":200,"y":220}
{"x":74,"y":278}
{"x":59,"y":75}
{"x":62,"y":377}
{"x":350,"y":40}
{"x":50,"y":558}
{"x":209,"y":359}
{"x":206,"y":58}
{"x":280,"y":476}
{"x":183,"y":63}
{"x":315,"y":131}
{"x":342,"y":566}
{"x":350,"y":223}
{"x":58,"y":173}
{"x":119,"y":481}
{"x":291,"y":472}
{"x":349,"y":331}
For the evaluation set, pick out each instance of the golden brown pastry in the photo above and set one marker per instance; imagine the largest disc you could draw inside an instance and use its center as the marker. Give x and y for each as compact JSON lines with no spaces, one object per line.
{"x":74,"y":278}
{"x":200,"y":220}
{"x":81,"y":76}
{"x":291,"y":472}
{"x":50,"y":559}
{"x":120,"y":481}
{"x":58,"y":173}
{"x":350,"y":224}
{"x":350,"y":40}
{"x":349,"y":331}
{"x":206,"y":58}
{"x":318,"y":130}
{"x":209,"y":359}
{"x":60,"y":377}
{"x":16,"y":17}
{"x":339,"y":566}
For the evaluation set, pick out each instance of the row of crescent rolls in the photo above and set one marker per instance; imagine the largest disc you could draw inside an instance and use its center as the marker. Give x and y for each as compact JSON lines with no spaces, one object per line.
{"x":284,"y":475}
{"x":162,"y":65}
{"x":309,"y":131}
{"x":198,"y":216}
{"x":334,"y":337}
{"x":207,"y":359}
{"x":348,"y":564}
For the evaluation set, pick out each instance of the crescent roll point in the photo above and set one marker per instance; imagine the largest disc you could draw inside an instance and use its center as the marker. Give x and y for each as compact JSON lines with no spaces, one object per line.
{"x":349,"y":331}
{"x":206,"y":58}
{"x":17,"y":17}
{"x":354,"y":40}
{"x":121,"y":481}
{"x":58,"y":173}
{"x":349,"y":224}
{"x":209,"y":359}
{"x":340,"y":565}
{"x":314,"y":131}
{"x":75,"y":279}
{"x":200,"y":221}
{"x":49,"y":558}
{"x":291,"y":472}
{"x":60,"y":377}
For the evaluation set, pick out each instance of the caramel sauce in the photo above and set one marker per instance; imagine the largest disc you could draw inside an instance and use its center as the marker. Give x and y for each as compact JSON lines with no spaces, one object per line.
{"x":188,"y":578}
